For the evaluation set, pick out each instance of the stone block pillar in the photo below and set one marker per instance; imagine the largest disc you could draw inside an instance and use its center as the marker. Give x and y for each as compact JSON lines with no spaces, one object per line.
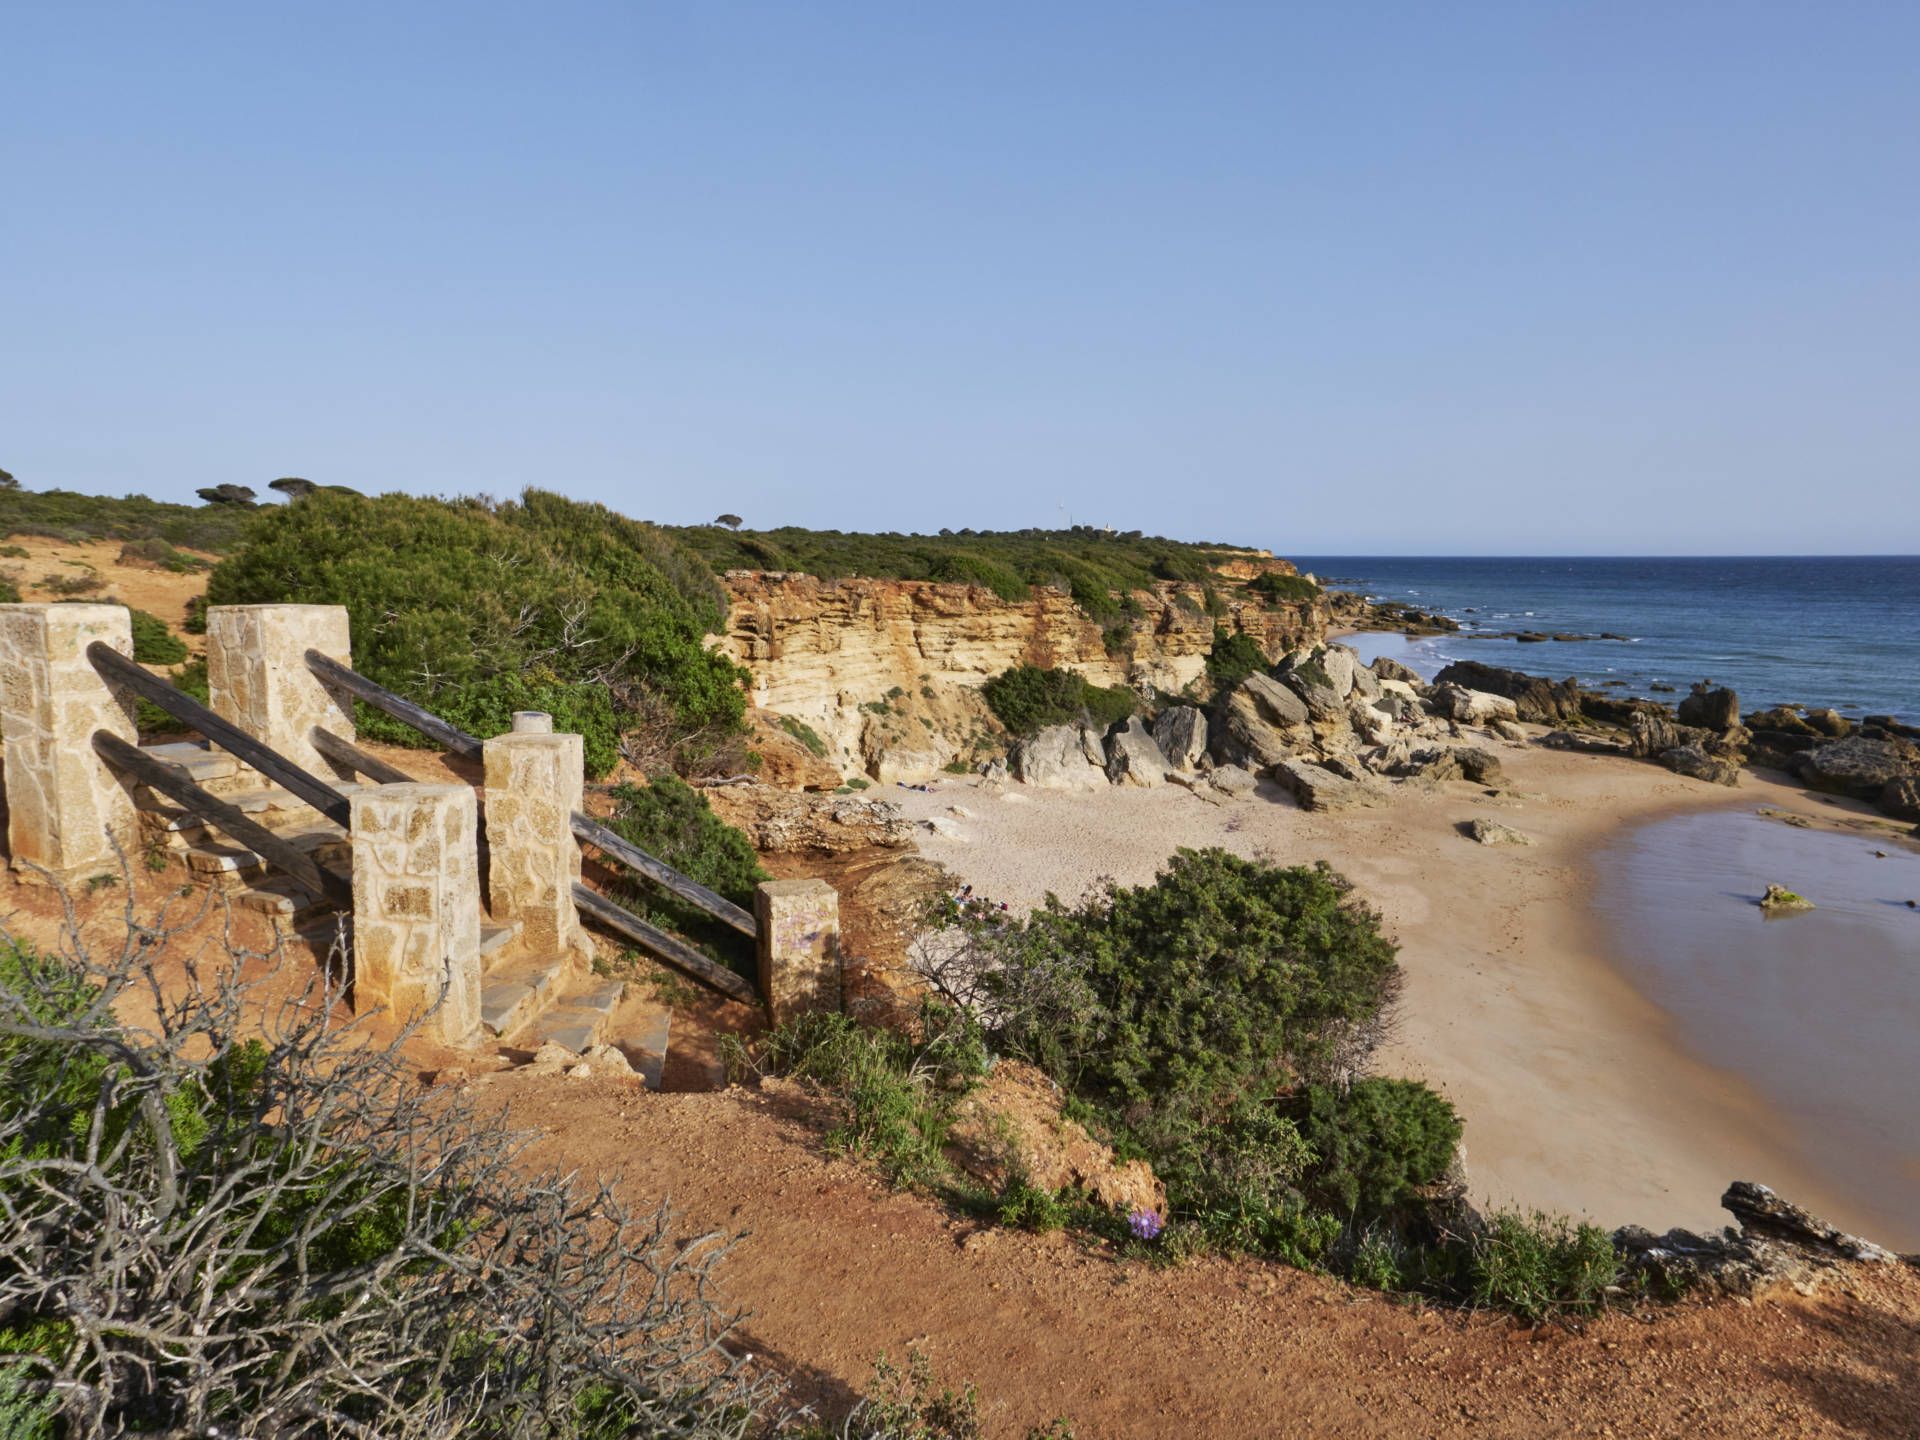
{"x":65,"y":807}
{"x":258,"y":677}
{"x":416,"y":905}
{"x":799,"y":945}
{"x":534,"y":784}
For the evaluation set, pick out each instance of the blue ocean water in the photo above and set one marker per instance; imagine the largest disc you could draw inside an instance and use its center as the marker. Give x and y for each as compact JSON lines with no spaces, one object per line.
{"x":1840,"y":631}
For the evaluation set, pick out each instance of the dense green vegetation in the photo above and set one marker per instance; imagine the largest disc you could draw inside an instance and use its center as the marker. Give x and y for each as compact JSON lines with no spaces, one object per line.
{"x":1232,"y":659}
{"x":1028,"y":698}
{"x":1212,"y":1023}
{"x":65,"y":515}
{"x":1283,"y":588}
{"x":154,"y":643}
{"x":1095,"y":567}
{"x":474,"y":608}
{"x":672,"y":821}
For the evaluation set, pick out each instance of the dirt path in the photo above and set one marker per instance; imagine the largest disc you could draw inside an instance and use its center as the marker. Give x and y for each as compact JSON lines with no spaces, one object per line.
{"x":837,"y":1268}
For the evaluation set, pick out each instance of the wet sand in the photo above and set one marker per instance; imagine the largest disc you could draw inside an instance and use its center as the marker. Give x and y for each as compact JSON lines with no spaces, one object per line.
{"x":1578,"y":1090}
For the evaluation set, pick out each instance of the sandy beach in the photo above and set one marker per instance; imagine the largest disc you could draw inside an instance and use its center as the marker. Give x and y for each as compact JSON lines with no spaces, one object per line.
{"x":1577,"y":1094}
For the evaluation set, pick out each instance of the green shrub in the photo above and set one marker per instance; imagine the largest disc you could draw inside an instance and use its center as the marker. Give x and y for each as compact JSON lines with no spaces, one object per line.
{"x":1117,"y":640}
{"x":959,"y":565}
{"x":1373,"y":1145}
{"x":1283,"y":588}
{"x":13,"y":552}
{"x":9,"y":592}
{"x":465,"y":595}
{"x":75,"y":518}
{"x":805,"y":734}
{"x":156,"y":551}
{"x":1232,"y":659}
{"x":154,"y":643}
{"x":1535,"y":1266}
{"x":1027,"y":698}
{"x":68,"y":587}
{"x":191,"y":680}
{"x":484,"y":708}
{"x":1025,"y":1207}
{"x":899,"y":1093}
{"x":672,"y":821}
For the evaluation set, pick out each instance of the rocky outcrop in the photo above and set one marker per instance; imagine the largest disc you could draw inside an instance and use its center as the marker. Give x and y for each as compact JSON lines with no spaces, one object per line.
{"x":1388,"y":669}
{"x":1710,"y":709}
{"x":1696,"y":764}
{"x":787,"y":762}
{"x":1318,"y":788}
{"x":865,"y":662}
{"x":1058,"y":758}
{"x":1777,"y":1244}
{"x":1470,"y":707}
{"x":1181,"y":733}
{"x":1133,"y":758}
{"x":1543,"y":702}
{"x":780,"y":821}
{"x":1858,"y":767}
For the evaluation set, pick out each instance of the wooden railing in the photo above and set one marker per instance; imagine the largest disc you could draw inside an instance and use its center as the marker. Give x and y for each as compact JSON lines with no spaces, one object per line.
{"x":585,"y":828}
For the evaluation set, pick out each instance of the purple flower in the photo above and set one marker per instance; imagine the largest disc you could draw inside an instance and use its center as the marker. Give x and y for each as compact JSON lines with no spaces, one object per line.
{"x":1145,"y":1224}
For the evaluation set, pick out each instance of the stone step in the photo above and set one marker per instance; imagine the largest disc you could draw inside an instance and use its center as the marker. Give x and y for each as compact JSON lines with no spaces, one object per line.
{"x":278,"y":896}
{"x":201,"y":762}
{"x":578,"y":1022}
{"x":645,"y":1046}
{"x":514,"y":993}
{"x":493,"y":938}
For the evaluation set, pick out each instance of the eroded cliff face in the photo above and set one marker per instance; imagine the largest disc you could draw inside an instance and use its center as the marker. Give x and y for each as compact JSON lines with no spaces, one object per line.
{"x":889,"y":671}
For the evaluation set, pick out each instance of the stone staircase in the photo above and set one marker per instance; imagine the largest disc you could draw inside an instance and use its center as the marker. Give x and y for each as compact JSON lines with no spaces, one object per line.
{"x":527,"y":1000}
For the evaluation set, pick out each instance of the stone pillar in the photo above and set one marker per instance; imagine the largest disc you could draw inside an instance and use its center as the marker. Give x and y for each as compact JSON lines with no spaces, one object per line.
{"x":65,"y":807}
{"x":534,"y":784}
{"x":799,"y":945}
{"x":258,"y":677}
{"x":416,"y":905}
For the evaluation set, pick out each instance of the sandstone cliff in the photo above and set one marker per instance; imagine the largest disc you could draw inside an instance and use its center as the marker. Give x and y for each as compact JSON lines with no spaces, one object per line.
{"x":888,"y":671}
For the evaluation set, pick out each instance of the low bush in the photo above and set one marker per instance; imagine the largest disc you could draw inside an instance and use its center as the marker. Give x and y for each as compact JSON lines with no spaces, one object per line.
{"x":462,"y":602}
{"x":1027,"y":698}
{"x":1376,"y":1143}
{"x":1233,"y":658}
{"x":1283,"y":588}
{"x":805,"y":734}
{"x":154,"y":643}
{"x":67,"y":587}
{"x":207,"y":1228}
{"x":672,"y":821}
{"x":75,"y":518}
{"x":191,"y":680}
{"x":484,"y":708}
{"x":1537,"y":1266}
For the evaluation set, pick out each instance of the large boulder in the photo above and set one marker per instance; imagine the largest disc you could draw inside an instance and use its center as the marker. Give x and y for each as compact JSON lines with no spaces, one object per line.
{"x":1492,"y":832}
{"x":1470,"y":707}
{"x":1780,"y":720}
{"x":1055,"y":759}
{"x":1232,"y":780}
{"x":1710,"y":709}
{"x":1830,"y":722}
{"x":1858,"y":767}
{"x":1654,"y":732}
{"x":1310,"y":681}
{"x":1318,"y":788}
{"x":1243,"y":736}
{"x":1697,"y":764}
{"x":1366,"y":684}
{"x":1181,"y":733}
{"x":1616,"y":710}
{"x":1340,"y":661}
{"x":1277,"y":704}
{"x":1133,"y":758}
{"x":1541,"y":701}
{"x":1390,"y":669}
{"x":1900,"y":798}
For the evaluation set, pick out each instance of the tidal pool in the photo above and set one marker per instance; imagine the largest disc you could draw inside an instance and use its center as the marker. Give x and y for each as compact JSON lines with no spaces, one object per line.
{"x":1819,"y":1011}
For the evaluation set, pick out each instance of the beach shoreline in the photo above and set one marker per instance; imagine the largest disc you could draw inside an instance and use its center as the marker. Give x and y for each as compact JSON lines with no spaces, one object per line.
{"x":1578,"y":1091}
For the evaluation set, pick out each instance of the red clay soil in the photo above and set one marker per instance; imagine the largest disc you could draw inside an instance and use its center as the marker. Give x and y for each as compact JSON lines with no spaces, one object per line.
{"x":837,"y":1268}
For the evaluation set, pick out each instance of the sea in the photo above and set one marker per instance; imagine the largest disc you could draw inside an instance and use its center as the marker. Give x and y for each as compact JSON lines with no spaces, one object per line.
{"x":1818,"y":1012}
{"x":1838,"y":631}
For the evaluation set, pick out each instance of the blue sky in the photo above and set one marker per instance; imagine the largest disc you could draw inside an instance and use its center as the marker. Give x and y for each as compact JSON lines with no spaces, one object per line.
{"x":1364,"y":278}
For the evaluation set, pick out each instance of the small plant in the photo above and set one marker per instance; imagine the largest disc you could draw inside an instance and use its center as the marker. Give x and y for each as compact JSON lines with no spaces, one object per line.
{"x":957,"y":767}
{"x":155,"y":855}
{"x":13,"y":552}
{"x":153,"y":642}
{"x":72,"y":585}
{"x":805,"y":734}
{"x":1536,"y":1266}
{"x":1026,"y":1207}
{"x":97,"y":883}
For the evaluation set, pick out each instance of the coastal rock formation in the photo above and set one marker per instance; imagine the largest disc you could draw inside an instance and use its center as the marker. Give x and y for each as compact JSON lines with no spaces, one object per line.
{"x":1540,"y":701}
{"x":781,"y":821}
{"x":1390,"y":669}
{"x":1470,"y":707}
{"x":1710,"y":709}
{"x":1318,"y":788}
{"x":1778,"y":1243}
{"x":863,"y":662}
{"x":1859,"y":767}
{"x":1697,"y":764}
{"x":1181,"y":733}
{"x":1057,"y":759}
{"x":786,"y":762}
{"x":1133,"y":758}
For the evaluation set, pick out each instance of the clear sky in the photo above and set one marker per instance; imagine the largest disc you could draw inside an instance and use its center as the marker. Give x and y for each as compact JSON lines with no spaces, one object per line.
{"x":1335,"y":278}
